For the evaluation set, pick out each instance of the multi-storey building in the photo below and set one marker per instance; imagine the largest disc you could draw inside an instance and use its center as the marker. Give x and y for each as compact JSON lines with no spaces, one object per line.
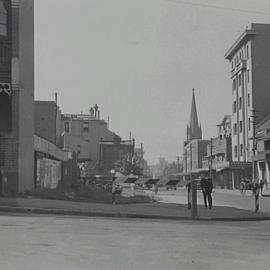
{"x":250,"y":60}
{"x":262,"y":157}
{"x":48,"y":121}
{"x":16,"y":95}
{"x":84,"y":133}
{"x":224,"y":128}
{"x":219,"y":155}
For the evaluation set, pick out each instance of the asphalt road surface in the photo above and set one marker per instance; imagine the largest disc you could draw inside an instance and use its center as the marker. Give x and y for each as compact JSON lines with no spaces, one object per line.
{"x":49,"y":242}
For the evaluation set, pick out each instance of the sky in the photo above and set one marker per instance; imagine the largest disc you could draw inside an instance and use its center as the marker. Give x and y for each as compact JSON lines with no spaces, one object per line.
{"x":139,"y":60}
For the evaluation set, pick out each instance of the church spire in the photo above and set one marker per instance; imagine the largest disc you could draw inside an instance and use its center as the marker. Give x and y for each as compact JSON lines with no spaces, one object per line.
{"x":194,"y":130}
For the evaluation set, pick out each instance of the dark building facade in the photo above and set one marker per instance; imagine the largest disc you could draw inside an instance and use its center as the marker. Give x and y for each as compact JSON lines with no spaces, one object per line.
{"x":17,"y":95}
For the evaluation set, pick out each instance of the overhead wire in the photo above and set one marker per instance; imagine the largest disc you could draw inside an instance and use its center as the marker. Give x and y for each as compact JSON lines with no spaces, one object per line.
{"x":219,"y":7}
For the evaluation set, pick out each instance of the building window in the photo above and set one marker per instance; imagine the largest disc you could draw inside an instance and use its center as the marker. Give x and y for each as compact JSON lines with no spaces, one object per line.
{"x":249,"y":124}
{"x":240,"y":103}
{"x":3,"y":19}
{"x":5,"y":112}
{"x":248,"y":100}
{"x":248,"y":75}
{"x":267,"y":145}
{"x":85,"y":126}
{"x":235,"y":128}
{"x":247,"y":48}
{"x":241,"y":150}
{"x":241,"y":126}
{"x":234,"y":107}
{"x":240,"y":77}
{"x":235,"y":151}
{"x":67,"y":127}
{"x":234,"y":84}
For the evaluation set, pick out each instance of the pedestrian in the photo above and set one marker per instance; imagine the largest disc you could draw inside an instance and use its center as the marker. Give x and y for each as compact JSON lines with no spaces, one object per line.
{"x":156,"y":189}
{"x":256,"y":193}
{"x":188,"y":187}
{"x":113,"y":192}
{"x":207,"y":187}
{"x":261,"y":184}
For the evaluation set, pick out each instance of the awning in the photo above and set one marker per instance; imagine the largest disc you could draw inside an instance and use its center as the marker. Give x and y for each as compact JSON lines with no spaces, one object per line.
{"x":152,"y":181}
{"x":173,"y":182}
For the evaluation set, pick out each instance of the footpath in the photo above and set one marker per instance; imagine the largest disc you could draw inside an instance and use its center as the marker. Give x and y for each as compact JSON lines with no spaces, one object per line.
{"x":155,"y":210}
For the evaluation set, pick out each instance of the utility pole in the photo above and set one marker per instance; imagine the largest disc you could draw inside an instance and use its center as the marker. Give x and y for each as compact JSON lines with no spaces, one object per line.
{"x":256,"y":184}
{"x":253,"y":143}
{"x":194,"y":212}
{"x":211,"y":160}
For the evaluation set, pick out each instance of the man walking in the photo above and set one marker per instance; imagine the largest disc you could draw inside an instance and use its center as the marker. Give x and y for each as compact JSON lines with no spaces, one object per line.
{"x":207,"y":187}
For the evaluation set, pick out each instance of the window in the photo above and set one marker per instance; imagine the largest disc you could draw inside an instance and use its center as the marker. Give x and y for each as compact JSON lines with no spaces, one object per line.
{"x":248,"y":75}
{"x":3,"y":19}
{"x":239,"y":81}
{"x":235,"y":151}
{"x":5,"y":112}
{"x":235,"y":128}
{"x":241,"y":126}
{"x":234,"y":107}
{"x":267,"y":145}
{"x":241,"y":150}
{"x":249,"y":124}
{"x":67,"y":127}
{"x":85,"y":126}
{"x":248,"y":100}
{"x":234,"y":84}
{"x":247,"y":48}
{"x":240,"y":103}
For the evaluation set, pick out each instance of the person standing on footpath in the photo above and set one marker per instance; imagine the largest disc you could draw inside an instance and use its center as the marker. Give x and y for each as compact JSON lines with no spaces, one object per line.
{"x":207,"y":187}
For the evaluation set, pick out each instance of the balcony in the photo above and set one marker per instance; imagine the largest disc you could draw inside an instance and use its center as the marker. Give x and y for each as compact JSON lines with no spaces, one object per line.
{"x":262,"y":155}
{"x":241,"y":65}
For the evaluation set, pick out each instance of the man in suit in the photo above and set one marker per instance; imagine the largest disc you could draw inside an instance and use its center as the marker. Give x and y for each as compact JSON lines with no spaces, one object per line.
{"x":207,"y":187}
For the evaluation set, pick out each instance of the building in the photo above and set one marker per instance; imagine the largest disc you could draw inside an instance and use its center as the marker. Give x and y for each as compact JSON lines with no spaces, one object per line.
{"x":48,"y":121}
{"x":262,"y":156}
{"x":219,"y":155}
{"x":50,"y":157}
{"x":224,"y":128}
{"x":249,"y":59}
{"x":83,"y":133}
{"x":16,"y":95}
{"x":195,"y":148}
{"x":117,"y":154}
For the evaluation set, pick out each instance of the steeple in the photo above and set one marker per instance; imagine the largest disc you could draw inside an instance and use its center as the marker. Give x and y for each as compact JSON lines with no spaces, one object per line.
{"x":194,"y":130}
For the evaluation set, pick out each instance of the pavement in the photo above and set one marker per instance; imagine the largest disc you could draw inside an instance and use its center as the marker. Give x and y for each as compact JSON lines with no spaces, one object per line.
{"x":155,"y":210}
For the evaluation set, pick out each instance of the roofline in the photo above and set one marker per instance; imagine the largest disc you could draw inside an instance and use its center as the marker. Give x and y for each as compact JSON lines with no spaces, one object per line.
{"x":246,"y":35}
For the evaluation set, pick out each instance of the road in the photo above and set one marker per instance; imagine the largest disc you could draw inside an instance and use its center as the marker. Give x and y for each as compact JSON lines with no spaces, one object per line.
{"x":47,"y":242}
{"x":221,"y":197}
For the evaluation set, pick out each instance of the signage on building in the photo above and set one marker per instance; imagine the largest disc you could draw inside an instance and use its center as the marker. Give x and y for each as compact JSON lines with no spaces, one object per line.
{"x":240,"y":164}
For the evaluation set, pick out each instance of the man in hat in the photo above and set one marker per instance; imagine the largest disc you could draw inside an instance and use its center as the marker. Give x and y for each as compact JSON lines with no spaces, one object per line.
{"x":207,"y":187}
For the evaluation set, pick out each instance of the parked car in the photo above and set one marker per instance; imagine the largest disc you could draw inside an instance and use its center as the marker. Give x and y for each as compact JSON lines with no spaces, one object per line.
{"x":172,"y":184}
